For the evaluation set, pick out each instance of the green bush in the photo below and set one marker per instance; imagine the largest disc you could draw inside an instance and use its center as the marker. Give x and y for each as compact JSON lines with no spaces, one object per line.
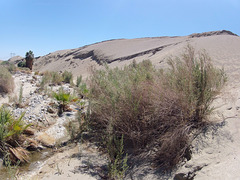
{"x":67,"y":77}
{"x":55,"y":78}
{"x":82,"y":87}
{"x":155,"y":110}
{"x":22,"y":64}
{"x":51,"y":77}
{"x":6,"y":81}
{"x":196,"y":78}
{"x":79,"y":81}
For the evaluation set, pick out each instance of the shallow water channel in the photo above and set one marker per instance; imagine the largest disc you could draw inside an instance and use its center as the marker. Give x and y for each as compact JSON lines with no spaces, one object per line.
{"x":37,"y":159}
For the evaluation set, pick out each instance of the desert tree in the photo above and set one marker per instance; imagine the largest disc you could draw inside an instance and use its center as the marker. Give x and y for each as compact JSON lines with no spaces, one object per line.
{"x":29,"y":59}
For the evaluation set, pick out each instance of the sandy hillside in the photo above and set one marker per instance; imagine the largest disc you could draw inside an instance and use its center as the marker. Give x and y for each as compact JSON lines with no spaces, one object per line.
{"x":215,"y":155}
{"x":223,"y":47}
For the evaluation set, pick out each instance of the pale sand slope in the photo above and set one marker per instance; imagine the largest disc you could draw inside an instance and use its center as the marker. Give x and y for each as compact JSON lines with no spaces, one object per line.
{"x":223,"y":48}
{"x":215,"y":157}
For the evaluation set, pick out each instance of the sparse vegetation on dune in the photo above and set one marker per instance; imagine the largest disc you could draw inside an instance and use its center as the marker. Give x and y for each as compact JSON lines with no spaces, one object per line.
{"x":156,"y":112}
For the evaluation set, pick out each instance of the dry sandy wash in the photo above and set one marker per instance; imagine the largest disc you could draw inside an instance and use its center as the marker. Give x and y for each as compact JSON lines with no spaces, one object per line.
{"x":215,"y":156}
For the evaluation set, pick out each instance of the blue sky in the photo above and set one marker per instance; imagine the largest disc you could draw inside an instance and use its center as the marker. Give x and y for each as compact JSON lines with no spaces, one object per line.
{"x":44,"y":26}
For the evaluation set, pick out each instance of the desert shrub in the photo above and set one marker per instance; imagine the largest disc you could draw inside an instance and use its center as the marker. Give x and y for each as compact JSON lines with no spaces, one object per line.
{"x":67,"y":77}
{"x":6,"y":81}
{"x":79,"y":81}
{"x":51,"y":77}
{"x":82,"y":88}
{"x":9,"y":66}
{"x":157,"y":112}
{"x":195,"y":77}
{"x":55,"y":78}
{"x":117,"y":165}
{"x":22,"y":64}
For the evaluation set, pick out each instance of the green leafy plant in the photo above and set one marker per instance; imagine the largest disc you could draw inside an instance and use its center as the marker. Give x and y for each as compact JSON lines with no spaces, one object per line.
{"x":9,"y":126}
{"x":11,"y":130}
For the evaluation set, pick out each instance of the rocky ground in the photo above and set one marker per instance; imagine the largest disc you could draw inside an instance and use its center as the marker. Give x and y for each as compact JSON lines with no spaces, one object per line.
{"x":56,"y":158}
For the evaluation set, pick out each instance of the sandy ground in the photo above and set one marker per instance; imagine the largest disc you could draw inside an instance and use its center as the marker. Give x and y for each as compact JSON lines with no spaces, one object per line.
{"x":74,"y":162}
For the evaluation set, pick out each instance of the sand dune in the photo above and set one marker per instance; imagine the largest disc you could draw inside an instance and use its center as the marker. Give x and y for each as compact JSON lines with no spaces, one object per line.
{"x":222,"y":46}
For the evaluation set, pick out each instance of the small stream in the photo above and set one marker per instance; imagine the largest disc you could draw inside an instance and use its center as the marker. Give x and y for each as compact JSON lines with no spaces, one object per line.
{"x":37,"y":159}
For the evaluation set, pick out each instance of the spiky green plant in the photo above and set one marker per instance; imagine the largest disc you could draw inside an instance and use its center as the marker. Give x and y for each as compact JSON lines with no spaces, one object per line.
{"x":63,"y":98}
{"x":9,"y":126}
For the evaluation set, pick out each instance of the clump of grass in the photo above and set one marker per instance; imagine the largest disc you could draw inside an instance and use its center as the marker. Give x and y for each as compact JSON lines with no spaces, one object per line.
{"x":11,"y":169}
{"x":6,"y":81}
{"x":155,"y":111}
